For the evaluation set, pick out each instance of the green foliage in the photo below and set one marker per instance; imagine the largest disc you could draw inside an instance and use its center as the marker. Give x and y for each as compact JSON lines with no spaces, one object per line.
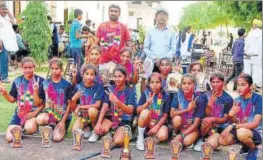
{"x":36,"y":31}
{"x":142,"y":34}
{"x":70,"y":17}
{"x":204,"y":15}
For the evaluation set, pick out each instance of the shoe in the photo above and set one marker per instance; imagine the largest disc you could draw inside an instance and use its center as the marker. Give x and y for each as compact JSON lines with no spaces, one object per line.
{"x":6,"y":80}
{"x":140,"y":144}
{"x":87,"y":134}
{"x":94,"y":137}
{"x":243,"y":150}
{"x":252,"y":154}
{"x":198,"y":145}
{"x":190,"y":147}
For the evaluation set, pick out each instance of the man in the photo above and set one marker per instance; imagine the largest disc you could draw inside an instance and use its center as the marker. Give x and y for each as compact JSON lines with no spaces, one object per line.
{"x":112,"y":36}
{"x":229,"y":46}
{"x":75,"y":37}
{"x":55,"y":38}
{"x":88,"y":23}
{"x":63,"y":40}
{"x":209,"y":40}
{"x":160,"y":41}
{"x":253,"y":47}
{"x":8,"y":41}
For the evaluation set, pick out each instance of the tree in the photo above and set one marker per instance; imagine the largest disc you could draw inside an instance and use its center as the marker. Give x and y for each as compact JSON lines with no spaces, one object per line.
{"x":36,"y":31}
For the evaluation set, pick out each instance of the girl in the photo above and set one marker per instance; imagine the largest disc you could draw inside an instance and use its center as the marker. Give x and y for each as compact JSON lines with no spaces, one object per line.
{"x":153,"y":110}
{"x":246,"y":118}
{"x":88,"y":94}
{"x":187,"y":111}
{"x":118,"y":108}
{"x":132,"y":70}
{"x":54,"y":93}
{"x":92,"y":58}
{"x":22,"y":91}
{"x":216,"y":111}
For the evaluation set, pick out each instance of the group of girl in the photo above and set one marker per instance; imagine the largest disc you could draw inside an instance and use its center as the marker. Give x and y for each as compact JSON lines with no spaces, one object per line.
{"x":194,"y":116}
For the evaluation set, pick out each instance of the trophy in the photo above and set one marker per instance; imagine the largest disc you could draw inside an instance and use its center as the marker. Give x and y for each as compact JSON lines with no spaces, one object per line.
{"x":207,"y":151}
{"x":147,"y":68}
{"x":150,"y":143}
{"x":173,"y":82}
{"x":107,"y":144}
{"x":17,"y":136}
{"x":233,"y":152}
{"x":46,"y":134}
{"x":126,"y":153}
{"x":201,"y":82}
{"x":104,"y":75}
{"x":111,"y":66}
{"x":176,"y":148}
{"x":78,"y":137}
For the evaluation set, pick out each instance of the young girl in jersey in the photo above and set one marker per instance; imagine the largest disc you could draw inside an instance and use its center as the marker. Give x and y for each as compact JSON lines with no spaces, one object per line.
{"x":55,"y":94}
{"x":21,"y":92}
{"x":153,"y":109}
{"x":118,"y":107}
{"x":88,"y":95}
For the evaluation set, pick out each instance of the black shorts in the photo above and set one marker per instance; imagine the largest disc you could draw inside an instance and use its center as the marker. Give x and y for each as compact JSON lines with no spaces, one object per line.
{"x":122,"y":123}
{"x":256,"y":137}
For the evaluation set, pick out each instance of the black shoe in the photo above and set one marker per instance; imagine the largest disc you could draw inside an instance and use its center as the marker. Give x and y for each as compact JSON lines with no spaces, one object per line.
{"x":243,"y":150}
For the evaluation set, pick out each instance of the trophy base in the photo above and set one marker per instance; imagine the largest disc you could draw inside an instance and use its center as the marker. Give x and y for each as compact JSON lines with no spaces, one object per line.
{"x":233,"y":152}
{"x":207,"y":151}
{"x":176,"y":148}
{"x":46,"y":133}
{"x":149,"y":156}
{"x":78,"y":137}
{"x":125,"y":155}
{"x":107,"y":144}
{"x":17,"y":138}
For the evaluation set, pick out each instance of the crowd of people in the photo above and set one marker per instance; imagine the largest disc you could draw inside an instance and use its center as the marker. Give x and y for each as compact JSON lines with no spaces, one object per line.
{"x":166,"y":106}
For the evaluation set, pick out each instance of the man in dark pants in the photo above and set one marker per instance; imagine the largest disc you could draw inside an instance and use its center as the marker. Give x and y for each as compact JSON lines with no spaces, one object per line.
{"x":238,"y":57}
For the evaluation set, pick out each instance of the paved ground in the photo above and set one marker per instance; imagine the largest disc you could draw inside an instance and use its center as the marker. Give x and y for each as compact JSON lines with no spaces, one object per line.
{"x":62,"y":151}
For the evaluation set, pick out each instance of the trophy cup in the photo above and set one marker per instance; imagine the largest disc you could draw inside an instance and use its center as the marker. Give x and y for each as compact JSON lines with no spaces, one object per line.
{"x":46,"y":134}
{"x":17,"y":136}
{"x":207,"y":151}
{"x":126,"y":153}
{"x":150,"y":143}
{"x":78,"y":137}
{"x":107,"y":144}
{"x":201,"y":82}
{"x":173,"y":81}
{"x":147,"y":68}
{"x":233,"y":152}
{"x":176,"y":148}
{"x":104,"y":75}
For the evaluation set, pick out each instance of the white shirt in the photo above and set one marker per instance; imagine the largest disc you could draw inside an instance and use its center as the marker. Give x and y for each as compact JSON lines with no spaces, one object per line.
{"x":184,"y":46}
{"x":253,"y":45}
{"x":7,"y":34}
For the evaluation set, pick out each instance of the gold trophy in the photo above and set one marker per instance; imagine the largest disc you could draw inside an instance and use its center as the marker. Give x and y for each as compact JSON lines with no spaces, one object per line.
{"x":201,"y":82}
{"x":46,"y":134}
{"x":78,"y":137}
{"x":233,"y":152}
{"x":176,"y":148}
{"x":173,"y":82}
{"x":107,"y":144}
{"x":207,"y":151}
{"x":150,"y":143}
{"x":126,"y":153}
{"x":17,"y":136}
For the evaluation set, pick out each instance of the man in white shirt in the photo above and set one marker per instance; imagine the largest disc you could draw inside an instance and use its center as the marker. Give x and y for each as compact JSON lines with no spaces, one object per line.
{"x":253,"y":48}
{"x":8,"y":43}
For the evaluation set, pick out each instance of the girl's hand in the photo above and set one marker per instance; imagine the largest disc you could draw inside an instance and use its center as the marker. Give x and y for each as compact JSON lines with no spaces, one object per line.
{"x":226,"y":131}
{"x":77,"y":96}
{"x":74,"y":70}
{"x":35,"y":84}
{"x":98,"y":128}
{"x":150,"y":100}
{"x":234,"y":110}
{"x":112,"y":97}
{"x":192,"y":104}
{"x":76,"y":111}
{"x":2,"y":89}
{"x":153,"y":131}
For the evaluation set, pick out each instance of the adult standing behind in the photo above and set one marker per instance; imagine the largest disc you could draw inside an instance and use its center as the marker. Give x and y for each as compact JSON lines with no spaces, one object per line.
{"x":160,"y":41}
{"x":55,"y":37}
{"x":185,"y":42}
{"x":7,"y":40}
{"x":112,"y":36}
{"x":75,"y":38}
{"x":229,"y":46}
{"x":253,"y":48}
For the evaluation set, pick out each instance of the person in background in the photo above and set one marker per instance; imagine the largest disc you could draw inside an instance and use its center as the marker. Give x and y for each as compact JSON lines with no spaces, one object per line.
{"x":229,"y":46}
{"x":55,"y":37}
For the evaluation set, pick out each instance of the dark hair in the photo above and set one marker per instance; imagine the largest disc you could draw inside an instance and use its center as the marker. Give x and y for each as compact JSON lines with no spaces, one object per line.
{"x":184,"y":32}
{"x":155,"y":74}
{"x":121,"y":69}
{"x":15,"y":28}
{"x":193,"y":64}
{"x":189,"y":76}
{"x":218,"y":75}
{"x":88,"y":21}
{"x":57,"y":61}
{"x":77,"y":12}
{"x":85,"y":28}
{"x":247,"y":78}
{"x":69,"y":21}
{"x":49,"y":18}
{"x":86,"y":67}
{"x":126,"y":49}
{"x":62,"y":27}
{"x":115,"y":6}
{"x":28,"y":59}
{"x":168,"y":60}
{"x":95,"y":48}
{"x":241,"y":32}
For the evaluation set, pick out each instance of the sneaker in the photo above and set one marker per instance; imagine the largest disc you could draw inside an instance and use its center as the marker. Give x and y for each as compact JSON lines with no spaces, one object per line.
{"x":252,"y":154}
{"x":243,"y":150}
{"x":87,"y":134}
{"x":140,"y":144}
{"x":190,"y":147}
{"x":198,"y":145}
{"x":6,"y":80}
{"x":94,"y":137}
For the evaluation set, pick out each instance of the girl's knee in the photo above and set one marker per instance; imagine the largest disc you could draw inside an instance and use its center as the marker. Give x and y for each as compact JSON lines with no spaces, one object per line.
{"x":243,"y":134}
{"x":9,"y":137}
{"x":42,"y":119}
{"x":144,"y":114}
{"x":177,"y":121}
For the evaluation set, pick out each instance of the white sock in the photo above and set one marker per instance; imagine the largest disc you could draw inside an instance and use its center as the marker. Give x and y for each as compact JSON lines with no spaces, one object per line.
{"x":141,"y":132}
